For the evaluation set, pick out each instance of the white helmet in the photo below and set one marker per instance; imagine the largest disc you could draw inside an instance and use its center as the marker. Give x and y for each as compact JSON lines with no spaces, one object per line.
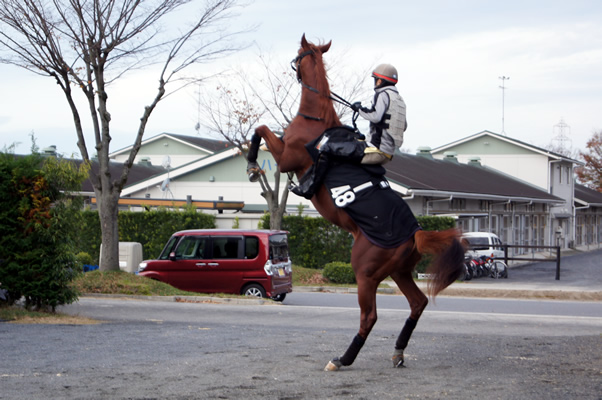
{"x":386,"y":72}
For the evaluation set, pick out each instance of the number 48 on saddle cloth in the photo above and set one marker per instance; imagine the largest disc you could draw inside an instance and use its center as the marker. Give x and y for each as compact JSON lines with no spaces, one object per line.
{"x":365,"y":194}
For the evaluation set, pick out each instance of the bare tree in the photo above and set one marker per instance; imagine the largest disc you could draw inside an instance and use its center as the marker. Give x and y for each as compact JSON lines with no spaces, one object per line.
{"x":89,"y":44}
{"x":271,"y":95}
{"x":233,"y":112}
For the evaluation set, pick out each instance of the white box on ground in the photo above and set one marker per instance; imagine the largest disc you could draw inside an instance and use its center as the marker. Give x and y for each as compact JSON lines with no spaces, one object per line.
{"x":130,"y":255}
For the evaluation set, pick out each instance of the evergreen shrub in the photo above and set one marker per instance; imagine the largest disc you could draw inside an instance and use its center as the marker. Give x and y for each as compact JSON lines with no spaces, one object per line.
{"x":37,"y":229}
{"x":339,"y":272}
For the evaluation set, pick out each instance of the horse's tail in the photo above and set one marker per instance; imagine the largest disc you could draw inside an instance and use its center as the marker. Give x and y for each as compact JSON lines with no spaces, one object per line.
{"x":448,"y":257}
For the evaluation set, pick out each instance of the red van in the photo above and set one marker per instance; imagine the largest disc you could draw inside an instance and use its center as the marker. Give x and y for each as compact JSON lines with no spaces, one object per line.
{"x":248,"y":262}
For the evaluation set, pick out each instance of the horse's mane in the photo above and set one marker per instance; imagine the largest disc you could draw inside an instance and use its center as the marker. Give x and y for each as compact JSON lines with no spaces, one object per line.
{"x":327,"y":111}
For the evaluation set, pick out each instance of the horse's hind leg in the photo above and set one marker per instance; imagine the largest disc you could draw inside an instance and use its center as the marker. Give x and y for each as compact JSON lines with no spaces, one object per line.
{"x":367,"y":261}
{"x":418,"y":302}
{"x":366,"y":292}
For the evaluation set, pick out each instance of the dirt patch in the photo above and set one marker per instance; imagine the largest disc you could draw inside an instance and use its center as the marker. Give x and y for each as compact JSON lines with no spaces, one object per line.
{"x":525,"y":294}
{"x":57,"y":320}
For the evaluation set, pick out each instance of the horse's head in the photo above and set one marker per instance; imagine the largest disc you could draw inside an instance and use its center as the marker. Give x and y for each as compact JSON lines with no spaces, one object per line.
{"x":311,"y":73}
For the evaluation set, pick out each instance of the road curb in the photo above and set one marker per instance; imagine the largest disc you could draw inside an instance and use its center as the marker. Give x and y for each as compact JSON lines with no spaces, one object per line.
{"x":454,"y":291}
{"x":186,"y":299}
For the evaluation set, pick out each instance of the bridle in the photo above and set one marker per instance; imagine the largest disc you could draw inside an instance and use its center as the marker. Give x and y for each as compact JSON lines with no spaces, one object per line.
{"x":296,"y":66}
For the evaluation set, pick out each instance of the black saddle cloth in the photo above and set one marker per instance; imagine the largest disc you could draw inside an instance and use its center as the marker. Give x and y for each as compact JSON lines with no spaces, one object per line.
{"x":361,"y":190}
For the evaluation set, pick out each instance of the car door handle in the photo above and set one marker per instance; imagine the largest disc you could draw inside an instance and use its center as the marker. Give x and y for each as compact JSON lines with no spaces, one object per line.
{"x":213,"y":264}
{"x":200,"y":264}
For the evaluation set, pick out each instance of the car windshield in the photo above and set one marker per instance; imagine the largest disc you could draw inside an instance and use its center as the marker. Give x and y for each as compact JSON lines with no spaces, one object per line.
{"x":478,"y":243}
{"x":169,"y":247}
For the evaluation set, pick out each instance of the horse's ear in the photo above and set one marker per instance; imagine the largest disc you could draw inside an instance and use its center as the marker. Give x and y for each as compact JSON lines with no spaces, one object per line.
{"x":324,"y":48}
{"x":304,"y":43}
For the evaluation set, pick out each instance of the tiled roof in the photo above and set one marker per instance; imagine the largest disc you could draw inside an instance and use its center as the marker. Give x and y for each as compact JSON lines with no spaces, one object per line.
{"x":423,"y":173}
{"x":587,"y":195}
{"x":209,"y":144}
{"x":137,"y":173}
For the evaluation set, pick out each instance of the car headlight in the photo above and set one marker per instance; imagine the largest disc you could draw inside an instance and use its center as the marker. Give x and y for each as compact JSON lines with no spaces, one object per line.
{"x":141,"y":266}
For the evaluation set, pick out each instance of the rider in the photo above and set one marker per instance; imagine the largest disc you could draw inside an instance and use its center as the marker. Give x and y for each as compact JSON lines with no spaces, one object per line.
{"x":387,"y":116}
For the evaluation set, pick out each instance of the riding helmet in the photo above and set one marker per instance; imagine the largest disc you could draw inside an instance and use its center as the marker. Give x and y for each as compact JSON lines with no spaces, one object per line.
{"x":386,"y":72}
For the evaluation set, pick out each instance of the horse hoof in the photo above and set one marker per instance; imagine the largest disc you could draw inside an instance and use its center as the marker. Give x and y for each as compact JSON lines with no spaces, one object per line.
{"x":253,"y":175}
{"x":398,"y":359}
{"x":333,"y":365}
{"x":253,"y":172}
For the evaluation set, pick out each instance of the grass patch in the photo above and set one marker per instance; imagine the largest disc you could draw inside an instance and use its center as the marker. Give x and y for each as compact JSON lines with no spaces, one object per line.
{"x":20,"y":315}
{"x":120,"y":282}
{"x":308,"y":277}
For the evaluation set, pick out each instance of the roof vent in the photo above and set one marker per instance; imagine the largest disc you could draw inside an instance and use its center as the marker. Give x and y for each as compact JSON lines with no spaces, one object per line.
{"x":474,"y":161}
{"x":424,"y":151}
{"x":450,"y":156}
{"x":146,"y":161}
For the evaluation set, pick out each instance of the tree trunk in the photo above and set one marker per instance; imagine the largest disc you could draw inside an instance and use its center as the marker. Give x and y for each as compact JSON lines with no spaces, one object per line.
{"x":108,"y":213}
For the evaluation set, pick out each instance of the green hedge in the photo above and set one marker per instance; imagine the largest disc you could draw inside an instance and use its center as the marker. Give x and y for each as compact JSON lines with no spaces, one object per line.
{"x":339,"y":272}
{"x":315,"y":242}
{"x":150,"y":228}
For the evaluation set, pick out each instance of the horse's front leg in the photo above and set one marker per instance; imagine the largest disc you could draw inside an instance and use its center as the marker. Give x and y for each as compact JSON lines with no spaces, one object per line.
{"x":275,"y":145}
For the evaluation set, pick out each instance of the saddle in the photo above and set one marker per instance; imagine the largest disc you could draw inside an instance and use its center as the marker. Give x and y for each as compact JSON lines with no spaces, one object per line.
{"x":360,"y":189}
{"x":338,"y":145}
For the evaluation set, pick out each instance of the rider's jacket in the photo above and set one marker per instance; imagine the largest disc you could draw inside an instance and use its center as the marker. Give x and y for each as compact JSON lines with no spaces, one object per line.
{"x":387,"y":119}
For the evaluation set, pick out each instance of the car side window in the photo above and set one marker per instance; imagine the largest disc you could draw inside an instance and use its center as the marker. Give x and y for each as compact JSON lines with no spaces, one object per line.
{"x":251,"y":247}
{"x":192,"y":247}
{"x":226,"y":247}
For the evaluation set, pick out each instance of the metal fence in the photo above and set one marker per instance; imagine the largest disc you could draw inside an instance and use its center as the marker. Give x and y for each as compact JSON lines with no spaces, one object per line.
{"x":552,"y":249}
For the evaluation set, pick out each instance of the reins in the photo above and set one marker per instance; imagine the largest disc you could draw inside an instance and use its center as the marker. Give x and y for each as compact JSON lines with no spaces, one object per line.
{"x":333,"y":96}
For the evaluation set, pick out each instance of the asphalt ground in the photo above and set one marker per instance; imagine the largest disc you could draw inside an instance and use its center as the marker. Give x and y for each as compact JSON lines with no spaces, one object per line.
{"x":580,"y":278}
{"x":166,"y":350}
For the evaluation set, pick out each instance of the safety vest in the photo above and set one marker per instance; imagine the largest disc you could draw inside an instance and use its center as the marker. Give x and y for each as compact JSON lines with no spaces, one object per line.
{"x":395,"y":117}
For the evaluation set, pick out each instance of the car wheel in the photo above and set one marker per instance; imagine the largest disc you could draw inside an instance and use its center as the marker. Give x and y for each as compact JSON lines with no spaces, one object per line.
{"x":254,"y":290}
{"x":279,"y":297}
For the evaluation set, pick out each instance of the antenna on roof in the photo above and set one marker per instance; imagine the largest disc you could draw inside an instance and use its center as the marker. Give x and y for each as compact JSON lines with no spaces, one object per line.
{"x":503,"y":87}
{"x":197,"y":127}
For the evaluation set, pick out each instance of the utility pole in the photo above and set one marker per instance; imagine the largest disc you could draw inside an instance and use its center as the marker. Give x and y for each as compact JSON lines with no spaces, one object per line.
{"x":503,"y":87}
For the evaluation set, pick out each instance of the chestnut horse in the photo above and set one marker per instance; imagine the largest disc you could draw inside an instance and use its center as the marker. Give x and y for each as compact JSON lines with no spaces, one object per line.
{"x":371,"y":263}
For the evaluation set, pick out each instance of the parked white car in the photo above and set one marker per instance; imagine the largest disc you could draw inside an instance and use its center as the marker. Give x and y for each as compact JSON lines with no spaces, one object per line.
{"x":484,"y":244}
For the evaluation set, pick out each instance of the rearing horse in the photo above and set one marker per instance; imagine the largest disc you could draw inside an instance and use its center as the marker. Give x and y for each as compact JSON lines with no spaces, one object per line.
{"x":371,"y":263}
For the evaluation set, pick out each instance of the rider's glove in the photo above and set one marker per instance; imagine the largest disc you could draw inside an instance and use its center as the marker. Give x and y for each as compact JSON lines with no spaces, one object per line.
{"x":356,"y":106}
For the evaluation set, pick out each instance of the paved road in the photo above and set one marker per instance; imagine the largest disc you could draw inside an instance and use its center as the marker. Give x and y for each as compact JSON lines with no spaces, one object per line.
{"x":455,"y":304}
{"x":167,"y":350}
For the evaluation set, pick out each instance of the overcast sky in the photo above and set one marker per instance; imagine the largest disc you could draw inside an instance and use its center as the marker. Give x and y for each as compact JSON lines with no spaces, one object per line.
{"x":449,"y":54}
